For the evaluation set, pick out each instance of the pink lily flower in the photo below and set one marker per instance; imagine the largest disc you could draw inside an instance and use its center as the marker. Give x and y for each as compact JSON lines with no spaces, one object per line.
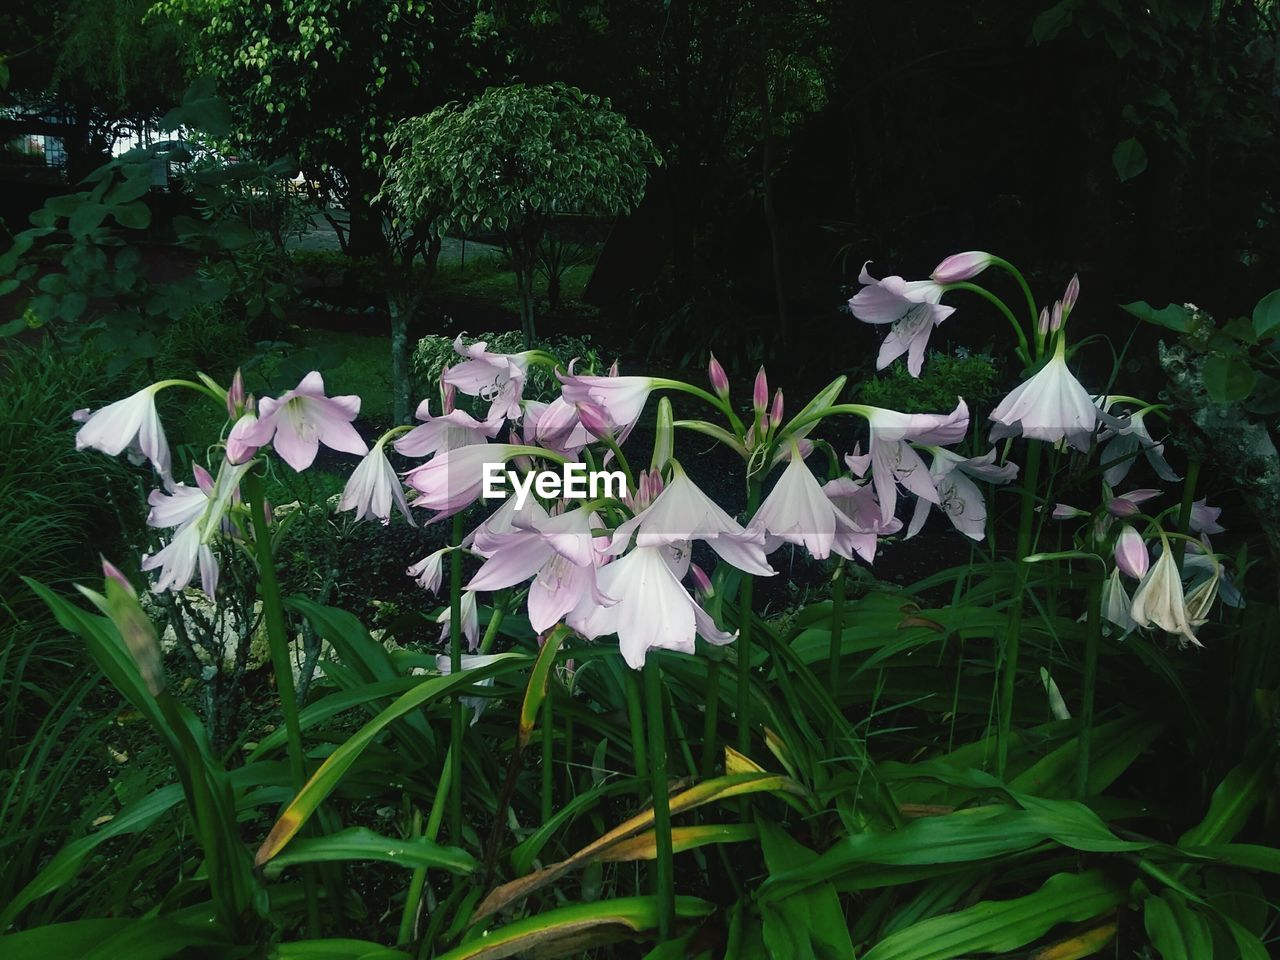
{"x":962,"y":266}
{"x":128,"y":424}
{"x":561,"y":555}
{"x":1131,"y":554}
{"x":196,"y":514}
{"x":297,"y":422}
{"x":891,"y":458}
{"x":495,"y":377}
{"x":1119,"y":444}
{"x":1050,"y":406}
{"x":857,"y":501}
{"x":180,"y":504}
{"x":958,"y":496}
{"x":682,"y":512}
{"x":470,"y":621}
{"x":556,"y":425}
{"x":620,"y":400}
{"x":798,"y":511}
{"x":454,"y":479}
{"x":457,"y":428}
{"x":373,"y":488}
{"x":912,"y":306}
{"x":652,"y":610}
{"x":1204,"y":518}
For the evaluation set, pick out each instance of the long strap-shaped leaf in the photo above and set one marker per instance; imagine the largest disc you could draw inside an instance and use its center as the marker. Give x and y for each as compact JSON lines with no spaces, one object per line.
{"x":324,"y":780}
{"x":719,"y":788}
{"x":574,"y":928}
{"x":361,"y":843}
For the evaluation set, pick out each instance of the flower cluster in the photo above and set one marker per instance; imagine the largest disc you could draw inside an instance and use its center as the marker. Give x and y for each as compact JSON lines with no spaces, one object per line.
{"x":617,"y":565}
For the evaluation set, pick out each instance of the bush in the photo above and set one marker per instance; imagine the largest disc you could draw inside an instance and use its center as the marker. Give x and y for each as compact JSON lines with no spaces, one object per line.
{"x":972,"y":376}
{"x":432,"y":352}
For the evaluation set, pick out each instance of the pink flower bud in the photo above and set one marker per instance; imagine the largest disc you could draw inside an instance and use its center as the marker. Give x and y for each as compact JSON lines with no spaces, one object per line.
{"x":701,"y":582}
{"x":112,"y":572}
{"x":1043,"y":326}
{"x":760,"y":393}
{"x":1131,"y":553}
{"x":1064,"y":511}
{"x":235,"y":395}
{"x":775,"y":412}
{"x":239,"y":449}
{"x":719,"y":382}
{"x":448,"y":393}
{"x":203,"y":480}
{"x":1126,"y":505}
{"x":1072,"y":295}
{"x":962,"y":266}
{"x":594,"y":419}
{"x":1055,"y":319}
{"x":749,"y":441}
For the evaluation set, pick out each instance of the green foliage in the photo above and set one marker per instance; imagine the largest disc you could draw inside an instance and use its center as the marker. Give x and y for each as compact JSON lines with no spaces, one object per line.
{"x":432,"y":352}
{"x":944,"y":377}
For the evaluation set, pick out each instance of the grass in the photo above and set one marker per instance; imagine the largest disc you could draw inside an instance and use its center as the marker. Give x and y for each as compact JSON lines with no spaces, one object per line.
{"x":487,"y":279}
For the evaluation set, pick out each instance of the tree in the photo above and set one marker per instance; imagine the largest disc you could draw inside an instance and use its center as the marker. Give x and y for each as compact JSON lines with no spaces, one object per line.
{"x":510,"y":161}
{"x":325,"y":82}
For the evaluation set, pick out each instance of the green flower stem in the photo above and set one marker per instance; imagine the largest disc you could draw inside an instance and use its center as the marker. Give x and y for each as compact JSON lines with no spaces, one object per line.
{"x":456,"y":718}
{"x":278,"y":644}
{"x":1184,"y":512}
{"x":837,"y":629}
{"x":722,"y":405}
{"x":665,"y":874}
{"x":1092,"y":638}
{"x":1012,"y":638}
{"x":1024,"y":351}
{"x":417,"y":882}
{"x":1013,"y":271}
{"x":612,"y":444}
{"x":746,"y":592}
{"x":548,"y":756}
{"x":711,"y":718}
{"x":500,"y":605}
{"x":639,"y":753}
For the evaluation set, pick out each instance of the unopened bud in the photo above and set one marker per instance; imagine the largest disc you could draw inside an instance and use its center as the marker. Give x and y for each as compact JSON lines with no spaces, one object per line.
{"x":719,"y":382}
{"x":235,"y":395}
{"x":701,"y":582}
{"x":962,"y":266}
{"x":760,"y":393}
{"x":775,"y":412}
{"x":1072,"y":295}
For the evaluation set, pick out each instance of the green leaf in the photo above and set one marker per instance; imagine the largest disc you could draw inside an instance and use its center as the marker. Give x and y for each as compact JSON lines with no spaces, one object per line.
{"x":133,"y":216}
{"x":1004,"y":926}
{"x":1129,"y":159}
{"x":1266,"y":315}
{"x":324,"y":780}
{"x":811,"y":924}
{"x":1228,"y":377}
{"x":68,"y":860}
{"x":536,"y":692}
{"x":361,"y":843}
{"x":576,"y":926}
{"x":335,"y":949}
{"x":1174,"y":316}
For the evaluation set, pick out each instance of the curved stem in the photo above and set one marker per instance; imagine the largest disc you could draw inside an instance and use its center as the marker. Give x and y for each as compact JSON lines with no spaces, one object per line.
{"x":1184,"y":512}
{"x":1024,"y":351}
{"x":1009,"y":268}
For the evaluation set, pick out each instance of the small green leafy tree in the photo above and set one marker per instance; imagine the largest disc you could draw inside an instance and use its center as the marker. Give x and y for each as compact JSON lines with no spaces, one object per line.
{"x":511,"y":160}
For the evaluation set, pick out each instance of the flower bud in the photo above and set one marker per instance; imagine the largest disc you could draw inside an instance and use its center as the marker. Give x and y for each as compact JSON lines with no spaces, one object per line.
{"x":1071,"y":296}
{"x":448,"y":393}
{"x":760,"y":393}
{"x":594,"y":419}
{"x":1043,"y":325}
{"x":701,"y":582}
{"x":962,"y":266}
{"x":203,"y":480}
{"x":719,"y":382}
{"x":240,"y":450}
{"x":1055,"y":318}
{"x":775,"y":412}
{"x":1131,"y":553}
{"x":235,"y":395}
{"x":1126,"y":505}
{"x":1064,"y":511}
